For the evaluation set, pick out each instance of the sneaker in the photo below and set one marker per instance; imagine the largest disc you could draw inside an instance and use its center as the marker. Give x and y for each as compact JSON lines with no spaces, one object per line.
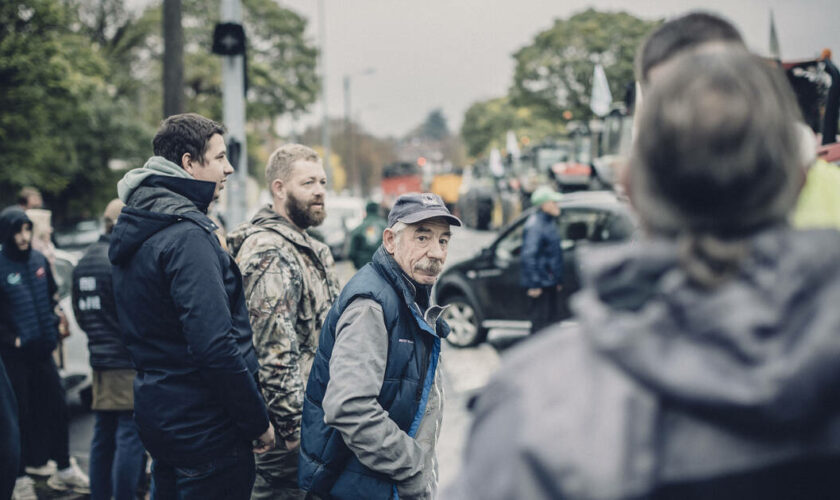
{"x":71,"y":478}
{"x":24,"y":489}
{"x":46,"y":470}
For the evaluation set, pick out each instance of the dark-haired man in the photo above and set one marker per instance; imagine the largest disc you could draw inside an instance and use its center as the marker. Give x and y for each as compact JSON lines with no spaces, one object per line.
{"x":290,"y":284}
{"x":183,"y":315}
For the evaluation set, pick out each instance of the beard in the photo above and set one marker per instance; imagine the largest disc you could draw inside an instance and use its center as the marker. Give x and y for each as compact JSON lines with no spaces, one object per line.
{"x":302,"y":213}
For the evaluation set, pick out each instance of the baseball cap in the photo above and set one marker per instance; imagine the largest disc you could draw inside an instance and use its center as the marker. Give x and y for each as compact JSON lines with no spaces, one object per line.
{"x":414,"y":207}
{"x":543,"y":194}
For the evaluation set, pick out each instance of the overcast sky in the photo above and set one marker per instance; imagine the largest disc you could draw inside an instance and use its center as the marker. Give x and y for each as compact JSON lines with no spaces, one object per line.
{"x":450,"y":53}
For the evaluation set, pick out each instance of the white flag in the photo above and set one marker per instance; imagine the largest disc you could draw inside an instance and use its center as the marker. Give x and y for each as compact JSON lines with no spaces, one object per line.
{"x":601,"y":96}
{"x":496,"y":167}
{"x":511,"y":145}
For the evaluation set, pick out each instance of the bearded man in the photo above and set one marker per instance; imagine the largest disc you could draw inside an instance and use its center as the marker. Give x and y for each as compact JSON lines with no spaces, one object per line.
{"x":290,"y":284}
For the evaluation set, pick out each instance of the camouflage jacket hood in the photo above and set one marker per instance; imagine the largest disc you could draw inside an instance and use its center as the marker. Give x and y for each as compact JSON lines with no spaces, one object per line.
{"x":290,"y":284}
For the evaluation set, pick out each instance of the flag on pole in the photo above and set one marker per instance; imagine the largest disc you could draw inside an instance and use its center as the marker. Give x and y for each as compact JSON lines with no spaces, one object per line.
{"x":775,"y":51}
{"x":496,"y":167}
{"x":511,"y":145}
{"x":601,"y":95}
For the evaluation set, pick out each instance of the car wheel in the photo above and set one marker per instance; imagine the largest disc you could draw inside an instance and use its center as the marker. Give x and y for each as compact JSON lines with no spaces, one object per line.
{"x":464,"y":323}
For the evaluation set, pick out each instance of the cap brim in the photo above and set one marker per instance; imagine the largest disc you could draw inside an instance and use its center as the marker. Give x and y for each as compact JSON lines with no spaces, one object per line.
{"x":430,"y":214}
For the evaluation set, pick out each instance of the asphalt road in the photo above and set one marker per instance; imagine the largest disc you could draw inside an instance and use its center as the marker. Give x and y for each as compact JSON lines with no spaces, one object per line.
{"x":465,"y":372}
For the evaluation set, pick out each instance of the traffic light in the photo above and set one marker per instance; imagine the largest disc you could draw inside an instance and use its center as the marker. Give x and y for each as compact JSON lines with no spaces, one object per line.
{"x":229,"y":39}
{"x":421,"y":162}
{"x":234,"y":150}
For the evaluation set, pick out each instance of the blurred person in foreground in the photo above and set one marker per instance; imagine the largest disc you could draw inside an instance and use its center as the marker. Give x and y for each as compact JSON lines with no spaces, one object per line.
{"x":184,"y":320}
{"x":367,"y":236}
{"x":290,"y":284}
{"x":28,"y":303}
{"x":374,"y":401}
{"x":542,"y":259}
{"x":704,"y":361}
{"x":116,"y":453}
{"x":10,"y":430}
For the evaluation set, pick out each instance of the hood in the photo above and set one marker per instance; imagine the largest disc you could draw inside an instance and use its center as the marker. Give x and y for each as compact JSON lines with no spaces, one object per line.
{"x":156,"y":165}
{"x":759,"y":351}
{"x":158,"y":202}
{"x":266,"y":219}
{"x":11,"y":220}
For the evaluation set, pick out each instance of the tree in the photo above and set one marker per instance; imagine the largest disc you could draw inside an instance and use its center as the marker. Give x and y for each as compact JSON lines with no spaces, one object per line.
{"x":486,"y":124}
{"x":60,"y":123}
{"x":435,"y":126}
{"x":554,"y":73}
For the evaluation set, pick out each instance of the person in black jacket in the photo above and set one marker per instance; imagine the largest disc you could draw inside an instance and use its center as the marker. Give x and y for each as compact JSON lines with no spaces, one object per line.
{"x":28,"y":336}
{"x":116,"y":451}
{"x":542,"y":259}
{"x":182,"y":311}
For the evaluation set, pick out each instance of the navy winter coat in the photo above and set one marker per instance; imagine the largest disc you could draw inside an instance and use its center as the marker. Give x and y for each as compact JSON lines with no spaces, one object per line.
{"x":94,"y":308}
{"x":183,"y":315}
{"x":542,"y":255}
{"x":27,"y":288}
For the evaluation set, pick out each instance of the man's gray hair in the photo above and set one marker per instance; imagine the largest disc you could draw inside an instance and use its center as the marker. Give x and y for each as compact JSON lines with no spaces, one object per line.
{"x":282,"y":160}
{"x":397,"y":229}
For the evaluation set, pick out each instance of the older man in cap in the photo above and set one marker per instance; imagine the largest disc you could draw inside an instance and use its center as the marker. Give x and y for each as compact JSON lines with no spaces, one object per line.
{"x":374,"y":400}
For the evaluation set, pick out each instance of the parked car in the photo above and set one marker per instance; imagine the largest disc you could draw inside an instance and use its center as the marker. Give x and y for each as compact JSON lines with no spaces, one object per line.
{"x":79,"y":236}
{"x":483,"y":292}
{"x":73,"y":361}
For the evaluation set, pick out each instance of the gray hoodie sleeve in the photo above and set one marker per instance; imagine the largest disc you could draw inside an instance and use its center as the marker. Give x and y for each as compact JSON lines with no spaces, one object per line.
{"x":357,"y":370}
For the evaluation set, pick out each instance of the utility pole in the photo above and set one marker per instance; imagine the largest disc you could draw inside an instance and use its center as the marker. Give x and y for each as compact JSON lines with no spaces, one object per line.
{"x":325,"y":120}
{"x":229,"y":41}
{"x":352,"y":178}
{"x":173,"y":59}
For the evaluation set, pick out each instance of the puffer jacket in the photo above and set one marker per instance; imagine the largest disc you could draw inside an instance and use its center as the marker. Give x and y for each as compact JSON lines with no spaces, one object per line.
{"x":182,"y":311}
{"x":27,"y":290}
{"x":666,"y":390}
{"x":95,"y":311}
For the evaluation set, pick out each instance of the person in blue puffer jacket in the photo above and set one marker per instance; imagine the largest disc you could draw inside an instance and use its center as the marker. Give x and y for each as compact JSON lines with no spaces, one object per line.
{"x":542,"y":258}
{"x":28,"y":335}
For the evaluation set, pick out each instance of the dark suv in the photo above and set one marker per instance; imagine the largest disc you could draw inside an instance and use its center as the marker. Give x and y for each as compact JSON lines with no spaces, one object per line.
{"x":484,"y":293}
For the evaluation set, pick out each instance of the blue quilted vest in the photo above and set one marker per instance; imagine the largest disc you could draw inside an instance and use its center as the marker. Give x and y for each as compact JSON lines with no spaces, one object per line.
{"x":327,"y":466}
{"x":28,"y":308}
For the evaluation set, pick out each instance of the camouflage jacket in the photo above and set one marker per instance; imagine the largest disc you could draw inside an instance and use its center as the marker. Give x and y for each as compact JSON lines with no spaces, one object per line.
{"x":290,"y":284}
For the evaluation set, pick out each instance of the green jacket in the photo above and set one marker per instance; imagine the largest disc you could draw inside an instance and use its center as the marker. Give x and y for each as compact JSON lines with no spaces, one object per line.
{"x":365,"y":239}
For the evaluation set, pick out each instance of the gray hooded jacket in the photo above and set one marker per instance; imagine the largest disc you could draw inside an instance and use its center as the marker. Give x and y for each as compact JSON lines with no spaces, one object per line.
{"x":663,"y":383}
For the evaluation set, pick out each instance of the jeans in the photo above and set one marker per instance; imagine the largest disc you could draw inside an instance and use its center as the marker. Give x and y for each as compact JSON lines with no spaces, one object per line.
{"x":228,"y":477}
{"x":116,"y":456}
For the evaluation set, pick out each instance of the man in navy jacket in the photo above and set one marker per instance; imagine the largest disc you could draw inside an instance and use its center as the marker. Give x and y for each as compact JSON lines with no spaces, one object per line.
{"x":542,"y":258}
{"x":182,"y":311}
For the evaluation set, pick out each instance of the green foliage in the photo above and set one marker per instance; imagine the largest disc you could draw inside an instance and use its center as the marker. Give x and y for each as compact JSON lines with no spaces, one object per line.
{"x":554,"y":73}
{"x":486,"y":124}
{"x":60,"y":122}
{"x":435,"y":126}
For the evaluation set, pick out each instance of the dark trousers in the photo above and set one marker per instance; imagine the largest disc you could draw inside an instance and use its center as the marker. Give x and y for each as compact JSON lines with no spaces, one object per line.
{"x":42,"y":410}
{"x":116,"y":456}
{"x":545,"y":309}
{"x":228,"y":477}
{"x":9,"y":435}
